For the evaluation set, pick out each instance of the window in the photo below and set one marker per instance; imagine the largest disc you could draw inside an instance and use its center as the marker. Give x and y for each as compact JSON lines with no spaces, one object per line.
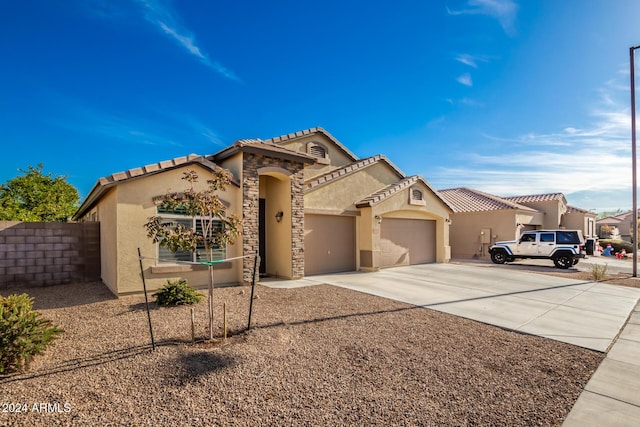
{"x":529,"y":237}
{"x":547,"y":238}
{"x":568,"y":237}
{"x":171,"y":216}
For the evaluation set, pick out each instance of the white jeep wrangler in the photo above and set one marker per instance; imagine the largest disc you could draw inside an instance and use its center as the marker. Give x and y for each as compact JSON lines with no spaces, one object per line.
{"x":564,"y":247}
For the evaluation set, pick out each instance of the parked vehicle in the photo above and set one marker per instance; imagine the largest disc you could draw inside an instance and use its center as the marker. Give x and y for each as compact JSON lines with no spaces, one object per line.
{"x":564,"y":247}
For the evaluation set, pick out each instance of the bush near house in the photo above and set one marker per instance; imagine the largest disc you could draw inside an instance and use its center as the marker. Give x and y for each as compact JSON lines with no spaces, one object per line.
{"x":177,"y":292}
{"x":24,"y":333}
{"x":617,"y":245}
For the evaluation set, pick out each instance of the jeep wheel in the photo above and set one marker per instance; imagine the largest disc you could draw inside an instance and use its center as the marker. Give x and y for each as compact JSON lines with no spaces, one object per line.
{"x":563,"y":261}
{"x":499,"y":257}
{"x":575,"y":261}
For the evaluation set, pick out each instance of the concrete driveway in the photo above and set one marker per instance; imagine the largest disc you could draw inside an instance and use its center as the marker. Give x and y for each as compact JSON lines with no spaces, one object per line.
{"x":582,"y":313}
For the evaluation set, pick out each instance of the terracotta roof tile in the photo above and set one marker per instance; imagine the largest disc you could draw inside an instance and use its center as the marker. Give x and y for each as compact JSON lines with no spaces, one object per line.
{"x":341,"y":172}
{"x":573,"y":209}
{"x":109,"y":181}
{"x":262,"y":147}
{"x":536,"y":198}
{"x":388,"y":191}
{"x":468,"y":200}
{"x":312,"y":131}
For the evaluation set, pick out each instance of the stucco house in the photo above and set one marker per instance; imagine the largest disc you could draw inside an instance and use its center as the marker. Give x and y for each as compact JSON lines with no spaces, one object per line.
{"x":308,"y":206}
{"x":481,"y":219}
{"x":621,"y":225}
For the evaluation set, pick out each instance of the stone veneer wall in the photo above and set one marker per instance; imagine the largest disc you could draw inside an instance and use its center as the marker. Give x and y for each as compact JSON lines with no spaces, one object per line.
{"x":250,"y":208}
{"x":48,"y":253}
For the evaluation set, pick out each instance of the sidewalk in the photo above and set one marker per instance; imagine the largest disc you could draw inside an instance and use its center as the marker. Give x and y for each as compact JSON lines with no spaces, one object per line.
{"x":612,"y":395}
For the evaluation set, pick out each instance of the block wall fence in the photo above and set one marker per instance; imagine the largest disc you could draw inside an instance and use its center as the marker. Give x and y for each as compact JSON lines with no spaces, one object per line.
{"x":35,"y":254}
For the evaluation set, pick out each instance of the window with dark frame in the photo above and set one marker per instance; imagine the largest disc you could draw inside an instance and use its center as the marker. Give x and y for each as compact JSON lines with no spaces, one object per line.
{"x":176,"y":216}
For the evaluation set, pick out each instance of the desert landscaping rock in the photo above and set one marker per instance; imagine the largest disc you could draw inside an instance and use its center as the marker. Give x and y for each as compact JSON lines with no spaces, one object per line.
{"x":315,"y":356}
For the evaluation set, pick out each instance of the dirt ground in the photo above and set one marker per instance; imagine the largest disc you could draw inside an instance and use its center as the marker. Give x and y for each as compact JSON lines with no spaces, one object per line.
{"x":318,"y":355}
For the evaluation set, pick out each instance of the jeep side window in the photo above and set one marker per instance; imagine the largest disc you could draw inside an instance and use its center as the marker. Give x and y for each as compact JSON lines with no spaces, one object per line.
{"x":567,"y":237}
{"x":547,"y":238}
{"x":528,"y":238}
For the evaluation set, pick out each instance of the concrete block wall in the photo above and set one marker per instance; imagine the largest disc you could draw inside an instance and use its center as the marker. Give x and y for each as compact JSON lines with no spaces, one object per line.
{"x":44,"y":254}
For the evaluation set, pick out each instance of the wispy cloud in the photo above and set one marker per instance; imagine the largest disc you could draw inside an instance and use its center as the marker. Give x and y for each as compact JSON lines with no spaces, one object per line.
{"x":471,"y":60}
{"x":504,"y":11}
{"x":465,"y":79}
{"x":163,"y":17}
{"x":585,"y":160}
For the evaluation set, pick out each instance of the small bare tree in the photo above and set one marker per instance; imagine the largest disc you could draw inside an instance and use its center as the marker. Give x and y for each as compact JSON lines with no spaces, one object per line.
{"x":208,"y":210}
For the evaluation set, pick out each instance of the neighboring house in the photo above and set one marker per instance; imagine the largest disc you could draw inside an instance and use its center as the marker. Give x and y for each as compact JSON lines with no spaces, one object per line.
{"x":308,"y":206}
{"x":481,"y":219}
{"x":621,"y":226}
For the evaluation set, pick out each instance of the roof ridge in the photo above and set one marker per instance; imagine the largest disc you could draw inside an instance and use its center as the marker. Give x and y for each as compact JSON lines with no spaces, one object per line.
{"x":387,"y":191}
{"x":306,"y":132}
{"x":151,"y":168}
{"x":463,"y":199}
{"x":342,"y":171}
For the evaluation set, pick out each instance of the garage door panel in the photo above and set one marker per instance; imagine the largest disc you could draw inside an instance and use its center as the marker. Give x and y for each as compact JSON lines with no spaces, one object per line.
{"x":329,"y":244}
{"x":407,"y":242}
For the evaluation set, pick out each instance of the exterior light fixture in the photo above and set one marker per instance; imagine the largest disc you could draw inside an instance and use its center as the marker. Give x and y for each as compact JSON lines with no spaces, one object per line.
{"x":279,"y":216}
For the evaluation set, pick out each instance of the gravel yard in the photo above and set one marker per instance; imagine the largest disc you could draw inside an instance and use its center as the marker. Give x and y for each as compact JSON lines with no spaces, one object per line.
{"x":316,"y":356}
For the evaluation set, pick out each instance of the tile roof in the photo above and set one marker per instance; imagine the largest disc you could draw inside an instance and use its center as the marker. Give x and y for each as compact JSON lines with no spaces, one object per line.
{"x":312,"y":131}
{"x":537,"y":198}
{"x":348,"y":170}
{"x":468,"y":200}
{"x":573,"y":209}
{"x":157,"y":167}
{"x":258,"y":146}
{"x":109,"y":181}
{"x":388,"y":191}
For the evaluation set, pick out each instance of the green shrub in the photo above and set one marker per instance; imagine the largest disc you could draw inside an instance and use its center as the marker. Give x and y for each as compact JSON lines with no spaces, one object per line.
{"x":617,"y":245}
{"x":177,"y":292}
{"x":23,"y":332}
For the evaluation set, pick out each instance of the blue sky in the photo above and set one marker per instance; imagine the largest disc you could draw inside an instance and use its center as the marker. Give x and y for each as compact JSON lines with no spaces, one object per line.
{"x":509,"y":97}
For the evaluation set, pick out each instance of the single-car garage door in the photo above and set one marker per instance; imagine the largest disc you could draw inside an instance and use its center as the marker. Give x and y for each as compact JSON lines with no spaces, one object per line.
{"x":407,"y":241}
{"x":329,"y":244}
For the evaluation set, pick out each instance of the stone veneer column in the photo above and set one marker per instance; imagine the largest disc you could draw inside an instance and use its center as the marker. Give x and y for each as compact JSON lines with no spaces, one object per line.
{"x":250,"y":211}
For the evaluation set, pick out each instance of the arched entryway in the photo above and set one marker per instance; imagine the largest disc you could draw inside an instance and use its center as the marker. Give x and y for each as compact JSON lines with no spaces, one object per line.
{"x":275,"y":222}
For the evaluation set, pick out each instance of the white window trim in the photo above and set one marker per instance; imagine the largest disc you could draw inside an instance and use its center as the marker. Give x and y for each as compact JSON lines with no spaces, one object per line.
{"x":414,"y":201}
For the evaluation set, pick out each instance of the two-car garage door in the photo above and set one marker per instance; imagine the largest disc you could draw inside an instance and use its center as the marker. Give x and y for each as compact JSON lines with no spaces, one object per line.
{"x":330,"y":243}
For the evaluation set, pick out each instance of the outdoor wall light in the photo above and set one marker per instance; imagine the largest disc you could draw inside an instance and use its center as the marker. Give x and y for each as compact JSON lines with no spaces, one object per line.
{"x":378,"y":218}
{"x":279,"y":216}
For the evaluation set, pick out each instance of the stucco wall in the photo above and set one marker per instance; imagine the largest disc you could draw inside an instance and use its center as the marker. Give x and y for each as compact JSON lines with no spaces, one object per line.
{"x":135,"y":205}
{"x":337,"y":157}
{"x":580,"y":221}
{"x":107,"y":215}
{"x":277,"y":192}
{"x":342,"y":194}
{"x":466,"y":228}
